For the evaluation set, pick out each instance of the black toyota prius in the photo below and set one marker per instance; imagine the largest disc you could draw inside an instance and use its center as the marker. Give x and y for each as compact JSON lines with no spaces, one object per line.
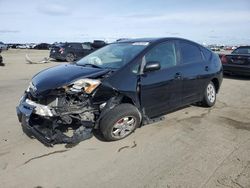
{"x":117,"y":89}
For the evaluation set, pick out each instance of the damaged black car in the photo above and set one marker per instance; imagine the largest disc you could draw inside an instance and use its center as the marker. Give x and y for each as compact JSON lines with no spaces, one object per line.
{"x":117,"y":89}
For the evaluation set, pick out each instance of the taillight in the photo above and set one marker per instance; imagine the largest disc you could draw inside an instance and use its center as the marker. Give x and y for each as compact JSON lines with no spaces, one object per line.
{"x":61,"y":50}
{"x":224,"y":59}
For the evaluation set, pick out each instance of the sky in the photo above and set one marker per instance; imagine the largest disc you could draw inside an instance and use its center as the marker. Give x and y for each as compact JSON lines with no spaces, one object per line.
{"x":205,"y":21}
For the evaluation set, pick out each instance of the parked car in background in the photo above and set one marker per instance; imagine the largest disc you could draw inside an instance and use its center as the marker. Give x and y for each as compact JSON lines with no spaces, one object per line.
{"x":13,"y":45}
{"x":121,"y":39}
{"x":72,"y":51}
{"x":42,"y":46}
{"x":3,"y":46}
{"x":215,"y":48}
{"x":234,"y":47}
{"x":238,"y":62}
{"x":97,"y":44}
{"x":118,"y":88}
{"x":23,"y":46}
{"x":1,"y":59}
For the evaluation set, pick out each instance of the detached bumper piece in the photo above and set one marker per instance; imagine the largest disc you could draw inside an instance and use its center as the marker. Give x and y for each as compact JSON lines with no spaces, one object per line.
{"x":49,"y":139}
{"x":49,"y":136}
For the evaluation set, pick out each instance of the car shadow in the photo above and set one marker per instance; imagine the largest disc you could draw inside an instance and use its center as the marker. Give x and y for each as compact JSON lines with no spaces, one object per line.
{"x":98,"y":135}
{"x":58,"y":61}
{"x":236,"y":77}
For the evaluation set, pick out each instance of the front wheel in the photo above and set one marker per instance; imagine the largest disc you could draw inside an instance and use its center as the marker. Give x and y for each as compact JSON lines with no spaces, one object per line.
{"x":209,"y":98}
{"x":120,"y":122}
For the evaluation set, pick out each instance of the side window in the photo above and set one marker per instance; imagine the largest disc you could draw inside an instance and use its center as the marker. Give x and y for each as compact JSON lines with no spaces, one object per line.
{"x":190,"y":53}
{"x":75,"y":46}
{"x":207,"y":54}
{"x":86,"y":46}
{"x":78,"y":46}
{"x":163,"y":53}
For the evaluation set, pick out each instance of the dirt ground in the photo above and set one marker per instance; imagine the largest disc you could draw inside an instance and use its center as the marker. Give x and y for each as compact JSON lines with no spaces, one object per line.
{"x":193,"y":147}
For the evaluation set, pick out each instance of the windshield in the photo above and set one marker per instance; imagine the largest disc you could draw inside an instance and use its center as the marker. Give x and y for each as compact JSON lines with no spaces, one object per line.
{"x":113,"y":56}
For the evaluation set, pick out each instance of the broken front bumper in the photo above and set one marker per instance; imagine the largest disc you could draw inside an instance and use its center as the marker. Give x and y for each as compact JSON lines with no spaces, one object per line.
{"x":47,"y":137}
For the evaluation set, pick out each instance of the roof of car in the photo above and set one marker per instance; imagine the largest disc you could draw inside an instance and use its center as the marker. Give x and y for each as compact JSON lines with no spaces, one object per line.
{"x":151,"y":40}
{"x":139,"y":40}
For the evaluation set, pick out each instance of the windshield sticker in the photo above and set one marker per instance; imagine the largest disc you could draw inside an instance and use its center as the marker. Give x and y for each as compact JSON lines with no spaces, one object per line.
{"x":140,"y":43}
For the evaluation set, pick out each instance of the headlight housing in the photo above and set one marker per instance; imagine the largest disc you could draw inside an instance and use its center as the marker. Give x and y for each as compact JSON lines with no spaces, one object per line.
{"x":88,"y":85}
{"x":40,"y":109}
{"x":31,"y":87}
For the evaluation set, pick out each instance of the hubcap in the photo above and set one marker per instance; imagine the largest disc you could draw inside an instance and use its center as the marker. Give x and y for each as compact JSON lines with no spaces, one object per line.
{"x":211,"y":93}
{"x":123,"y":127}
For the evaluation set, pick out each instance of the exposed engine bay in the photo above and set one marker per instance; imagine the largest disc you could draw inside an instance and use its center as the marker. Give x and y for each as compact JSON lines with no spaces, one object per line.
{"x":64,"y":115}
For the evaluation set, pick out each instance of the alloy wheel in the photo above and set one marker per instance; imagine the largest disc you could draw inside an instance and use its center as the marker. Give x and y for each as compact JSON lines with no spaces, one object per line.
{"x":123,"y":127}
{"x":211,"y":93}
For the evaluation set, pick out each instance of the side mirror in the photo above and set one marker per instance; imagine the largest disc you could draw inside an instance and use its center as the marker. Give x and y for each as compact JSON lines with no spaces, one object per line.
{"x":152,"y":66}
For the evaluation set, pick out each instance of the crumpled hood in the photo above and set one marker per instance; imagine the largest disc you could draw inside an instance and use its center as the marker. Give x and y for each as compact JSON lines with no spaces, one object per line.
{"x":61,"y":75}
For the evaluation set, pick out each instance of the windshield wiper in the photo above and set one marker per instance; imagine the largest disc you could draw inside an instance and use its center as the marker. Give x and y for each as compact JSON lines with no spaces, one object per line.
{"x":92,"y":65}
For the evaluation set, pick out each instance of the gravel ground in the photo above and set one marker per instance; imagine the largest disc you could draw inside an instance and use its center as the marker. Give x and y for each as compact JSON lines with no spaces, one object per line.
{"x":193,"y":147}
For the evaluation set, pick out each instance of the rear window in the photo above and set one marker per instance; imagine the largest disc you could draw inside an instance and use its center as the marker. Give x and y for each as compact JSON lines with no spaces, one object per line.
{"x":190,"y":53}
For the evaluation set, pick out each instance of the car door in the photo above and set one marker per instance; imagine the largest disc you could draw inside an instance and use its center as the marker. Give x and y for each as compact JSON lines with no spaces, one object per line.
{"x":78,"y":51}
{"x":193,"y":69}
{"x":161,"y":89}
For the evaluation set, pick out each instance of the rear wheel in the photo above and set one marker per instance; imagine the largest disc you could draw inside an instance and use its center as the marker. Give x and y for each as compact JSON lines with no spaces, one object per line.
{"x":70,"y":57}
{"x":120,"y":122}
{"x":209,"y":98}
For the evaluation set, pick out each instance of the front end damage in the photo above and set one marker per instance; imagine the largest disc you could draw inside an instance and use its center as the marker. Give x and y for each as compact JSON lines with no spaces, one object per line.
{"x":63,"y":115}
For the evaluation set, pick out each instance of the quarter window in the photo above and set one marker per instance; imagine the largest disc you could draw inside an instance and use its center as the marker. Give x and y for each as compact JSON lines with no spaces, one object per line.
{"x":207,"y":54}
{"x":189,"y":53}
{"x":163,"y":53}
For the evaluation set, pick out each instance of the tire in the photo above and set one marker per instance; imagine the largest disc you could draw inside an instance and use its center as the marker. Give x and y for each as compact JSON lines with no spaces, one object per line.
{"x":120,"y":122}
{"x":70,"y":57}
{"x":209,"y":98}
